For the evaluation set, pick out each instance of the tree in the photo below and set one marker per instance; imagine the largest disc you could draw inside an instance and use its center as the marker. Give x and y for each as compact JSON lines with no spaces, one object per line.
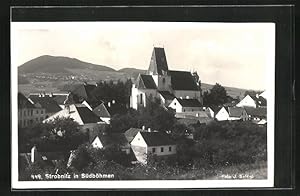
{"x":216,"y":96}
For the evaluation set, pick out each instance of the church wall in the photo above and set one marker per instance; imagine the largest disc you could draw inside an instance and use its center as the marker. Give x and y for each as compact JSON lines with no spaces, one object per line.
{"x":163,"y":82}
{"x":145,"y":93}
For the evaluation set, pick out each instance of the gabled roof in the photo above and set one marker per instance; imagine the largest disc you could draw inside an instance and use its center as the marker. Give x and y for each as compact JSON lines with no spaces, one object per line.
{"x":104,"y":110}
{"x":84,"y":91}
{"x":235,"y":111}
{"x":259,"y":112}
{"x":166,"y":95}
{"x":113,"y":139}
{"x":189,"y":102}
{"x":46,"y":102}
{"x":131,"y":133}
{"x":87,"y":116}
{"x":23,"y":102}
{"x":158,"y":63}
{"x":145,"y":81}
{"x":182,"y":80}
{"x":260,"y":101}
{"x":157,"y":138}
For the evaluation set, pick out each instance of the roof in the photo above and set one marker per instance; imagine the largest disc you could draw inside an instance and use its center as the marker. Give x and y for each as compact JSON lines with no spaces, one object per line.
{"x":189,"y":102}
{"x":157,"y":138}
{"x":188,"y":121}
{"x":86,"y":115}
{"x":260,"y":101}
{"x":182,"y":80}
{"x":199,"y":114}
{"x":235,"y":111}
{"x":158,"y":62}
{"x":114,"y":138}
{"x":103,"y":110}
{"x":84,"y":90}
{"x":23,"y":102}
{"x":131,"y":133}
{"x":46,"y":102}
{"x":145,"y":81}
{"x":167,"y":95}
{"x":259,"y":112}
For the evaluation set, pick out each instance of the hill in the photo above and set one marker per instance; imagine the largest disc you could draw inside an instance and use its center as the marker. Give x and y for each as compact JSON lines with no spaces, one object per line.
{"x":58,"y":64}
{"x":133,"y":72}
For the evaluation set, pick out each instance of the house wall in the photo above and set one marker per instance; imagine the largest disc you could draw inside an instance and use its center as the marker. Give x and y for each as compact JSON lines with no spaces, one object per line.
{"x":30,"y":116}
{"x":191,"y":109}
{"x":165,"y":150}
{"x":176,"y":105}
{"x":145,"y":93}
{"x":247,"y":101}
{"x":222,"y":115}
{"x":97,"y":143}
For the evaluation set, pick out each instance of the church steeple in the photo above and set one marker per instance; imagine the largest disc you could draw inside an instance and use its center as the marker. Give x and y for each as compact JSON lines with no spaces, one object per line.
{"x":158,"y":64}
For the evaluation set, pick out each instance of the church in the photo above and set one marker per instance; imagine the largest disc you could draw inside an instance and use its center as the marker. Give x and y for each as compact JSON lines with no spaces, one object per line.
{"x":164,"y":84}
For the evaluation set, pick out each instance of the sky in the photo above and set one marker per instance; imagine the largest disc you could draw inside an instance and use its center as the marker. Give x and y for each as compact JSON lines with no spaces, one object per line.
{"x":231,"y":54}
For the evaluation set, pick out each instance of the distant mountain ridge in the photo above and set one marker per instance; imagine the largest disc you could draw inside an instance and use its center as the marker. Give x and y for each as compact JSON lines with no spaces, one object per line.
{"x":58,"y":64}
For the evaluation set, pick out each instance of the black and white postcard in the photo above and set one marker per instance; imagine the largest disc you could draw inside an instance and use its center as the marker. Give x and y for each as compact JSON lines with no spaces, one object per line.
{"x":114,"y":105}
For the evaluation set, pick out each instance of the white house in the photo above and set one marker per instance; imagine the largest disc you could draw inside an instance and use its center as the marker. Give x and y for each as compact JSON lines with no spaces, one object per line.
{"x":156,"y":143}
{"x":80,"y":114}
{"x":161,"y":83}
{"x":185,"y":105}
{"x":231,"y":113}
{"x":252,"y":101}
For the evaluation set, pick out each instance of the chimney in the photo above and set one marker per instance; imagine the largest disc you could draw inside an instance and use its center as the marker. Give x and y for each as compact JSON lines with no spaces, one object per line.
{"x":197,"y":114}
{"x":149,"y":129}
{"x":50,"y":94}
{"x":67,"y":107}
{"x":257,"y":96}
{"x":113,"y":101}
{"x":108,"y":104}
{"x":143,"y":127}
{"x":33,"y":154}
{"x":40,"y":95}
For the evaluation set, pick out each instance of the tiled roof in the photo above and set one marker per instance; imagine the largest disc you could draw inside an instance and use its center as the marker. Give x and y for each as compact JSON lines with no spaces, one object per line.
{"x":182,"y":80}
{"x":114,"y":138}
{"x":23,"y":102}
{"x":157,"y":139}
{"x":84,"y":91}
{"x":258,"y":112}
{"x":235,"y":111}
{"x":189,"y":102}
{"x":158,"y":62}
{"x":260,"y":101}
{"x":167,"y":95}
{"x":46,"y":102}
{"x":131,"y":133}
{"x":103,"y":110}
{"x":86,"y":115}
{"x":146,"y":81}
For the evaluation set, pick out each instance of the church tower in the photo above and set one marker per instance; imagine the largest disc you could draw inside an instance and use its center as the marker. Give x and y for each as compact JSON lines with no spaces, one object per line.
{"x":159,"y":70}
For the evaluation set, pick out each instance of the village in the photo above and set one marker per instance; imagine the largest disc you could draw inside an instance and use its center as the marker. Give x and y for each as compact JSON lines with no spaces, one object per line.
{"x":163,"y":115}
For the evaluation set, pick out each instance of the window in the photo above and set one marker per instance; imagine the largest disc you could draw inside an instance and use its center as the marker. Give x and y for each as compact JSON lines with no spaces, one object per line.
{"x":153,"y":150}
{"x":37,"y":111}
{"x":28,"y":112}
{"x":42,"y":111}
{"x":184,"y":110}
{"x":162,"y":149}
{"x":170,"y":149}
{"x":24,"y":113}
{"x":141,"y":98}
{"x":41,"y":118}
{"x":31,"y":111}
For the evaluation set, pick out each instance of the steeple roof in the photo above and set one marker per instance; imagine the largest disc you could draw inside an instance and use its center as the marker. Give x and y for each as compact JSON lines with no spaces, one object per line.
{"x":158,"y":63}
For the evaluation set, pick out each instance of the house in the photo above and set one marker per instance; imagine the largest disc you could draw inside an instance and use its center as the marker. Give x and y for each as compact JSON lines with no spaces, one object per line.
{"x":156,"y":143}
{"x":231,"y":113}
{"x":201,"y":117}
{"x":252,"y":101}
{"x":47,"y":102}
{"x":161,"y":83}
{"x":61,"y":98}
{"x":80,"y":114}
{"x":28,"y":113}
{"x":131,"y":133}
{"x":103,"y":141}
{"x":107,"y":110}
{"x":185,"y":105}
{"x":264,"y":94}
{"x":257,"y":114}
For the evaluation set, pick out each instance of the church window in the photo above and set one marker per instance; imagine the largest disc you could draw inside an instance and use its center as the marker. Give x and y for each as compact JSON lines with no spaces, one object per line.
{"x":141,"y":98}
{"x":164,"y":80}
